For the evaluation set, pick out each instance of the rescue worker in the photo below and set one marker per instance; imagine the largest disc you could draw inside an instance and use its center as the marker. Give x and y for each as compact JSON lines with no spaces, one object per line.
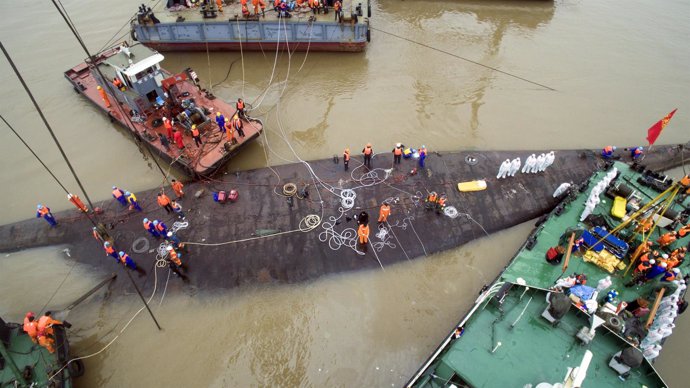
{"x":422,"y":156}
{"x":175,"y":257}
{"x":346,"y":159}
{"x":118,"y":84}
{"x":129,"y":263}
{"x":240,"y":103}
{"x":397,"y":153}
{"x":667,"y":239}
{"x":238,"y":125}
{"x":219,"y":4}
{"x":177,"y":208}
{"x":179,"y":141}
{"x":109,"y":251}
{"x":46,"y":322}
{"x":338,"y":6}
{"x":149,"y":227}
{"x":173,"y":240}
{"x":119,"y":195}
{"x":636,"y":153}
{"x":229,"y":131}
{"x":362,"y":218}
{"x":262,"y":4}
{"x":44,"y":211}
{"x":76,"y":201}
{"x":683,"y":231}
{"x":161,"y":228}
{"x":670,"y":275}
{"x":384,"y":212}
{"x":607,"y":152}
{"x":441,"y":203}
{"x":164,"y":142}
{"x":644,"y":225}
{"x":177,"y":188}
{"x":430,"y":201}
{"x":31,"y":326}
{"x":97,"y":235}
{"x":45,"y":341}
{"x":220,"y":120}
{"x":363,"y":233}
{"x":245,"y":11}
{"x":168,"y":127}
{"x":164,"y":202}
{"x":132,"y":200}
{"x":104,"y":96}
{"x":368,"y":152}
{"x":196,"y":135}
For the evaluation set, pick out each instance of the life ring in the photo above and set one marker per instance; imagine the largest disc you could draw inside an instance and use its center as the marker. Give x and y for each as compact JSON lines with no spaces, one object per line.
{"x":76,"y":368}
{"x":140,"y":245}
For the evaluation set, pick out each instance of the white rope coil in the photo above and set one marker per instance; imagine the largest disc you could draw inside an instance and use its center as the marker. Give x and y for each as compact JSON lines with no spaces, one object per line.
{"x":451,"y":211}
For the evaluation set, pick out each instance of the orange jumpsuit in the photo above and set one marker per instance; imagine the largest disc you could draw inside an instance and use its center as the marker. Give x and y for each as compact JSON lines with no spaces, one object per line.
{"x":384,"y":212}
{"x":177,"y":188}
{"x":104,"y":96}
{"x":45,"y":325}
{"x":31,"y":328}
{"x":667,"y":239}
{"x":175,"y":258}
{"x":363,"y":233}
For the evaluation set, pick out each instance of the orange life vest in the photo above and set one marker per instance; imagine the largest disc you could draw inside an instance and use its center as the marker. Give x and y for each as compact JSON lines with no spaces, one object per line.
{"x":195,"y":132}
{"x":177,"y":186}
{"x":432,"y":197}
{"x":363,"y":231}
{"x":240,"y":104}
{"x":124,"y":258}
{"x":397,"y":151}
{"x":43,"y":210}
{"x":167,"y":124}
{"x":117,"y":193}
{"x":147,"y":225}
{"x":346,"y":155}
{"x":159,"y":227}
{"x":174,"y":258}
{"x":337,"y":6}
{"x":108,"y":249}
{"x":31,"y":328}
{"x":442,"y":201}
{"x":608,"y":149}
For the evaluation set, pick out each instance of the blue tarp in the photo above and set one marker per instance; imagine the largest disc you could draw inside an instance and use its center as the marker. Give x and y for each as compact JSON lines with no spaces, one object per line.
{"x":582,"y":292}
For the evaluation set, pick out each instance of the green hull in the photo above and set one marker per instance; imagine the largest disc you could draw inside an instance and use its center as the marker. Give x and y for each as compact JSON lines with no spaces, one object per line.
{"x":532,"y":350}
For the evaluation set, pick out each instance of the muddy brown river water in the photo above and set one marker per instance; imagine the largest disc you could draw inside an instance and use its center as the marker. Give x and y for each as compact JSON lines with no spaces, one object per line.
{"x":616,"y":68}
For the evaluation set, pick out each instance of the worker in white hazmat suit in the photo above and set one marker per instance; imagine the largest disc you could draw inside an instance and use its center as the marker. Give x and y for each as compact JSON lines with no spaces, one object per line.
{"x":514,"y":166}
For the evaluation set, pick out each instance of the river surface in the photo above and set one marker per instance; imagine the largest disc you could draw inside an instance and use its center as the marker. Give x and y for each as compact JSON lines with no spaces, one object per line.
{"x":616,"y":67}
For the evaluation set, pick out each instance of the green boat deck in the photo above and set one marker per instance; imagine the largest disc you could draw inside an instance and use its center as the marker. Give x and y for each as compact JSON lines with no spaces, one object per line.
{"x":533,"y":351}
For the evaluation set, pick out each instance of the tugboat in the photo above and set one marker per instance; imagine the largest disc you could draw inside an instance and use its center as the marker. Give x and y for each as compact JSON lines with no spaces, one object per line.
{"x":543,"y":324}
{"x":128,"y":84}
{"x":209,"y":25}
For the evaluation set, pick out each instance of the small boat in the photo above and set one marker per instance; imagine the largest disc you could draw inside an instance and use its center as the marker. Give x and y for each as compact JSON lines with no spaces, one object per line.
{"x":203,"y":26}
{"x":540,"y":321}
{"x":139,"y":94}
{"x":25,"y":364}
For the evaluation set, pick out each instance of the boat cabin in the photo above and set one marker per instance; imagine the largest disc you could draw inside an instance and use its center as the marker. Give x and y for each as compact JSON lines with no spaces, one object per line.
{"x":136,"y":75}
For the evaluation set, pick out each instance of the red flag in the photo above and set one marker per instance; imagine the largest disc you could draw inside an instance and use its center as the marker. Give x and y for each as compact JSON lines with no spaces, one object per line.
{"x":654,"y":131}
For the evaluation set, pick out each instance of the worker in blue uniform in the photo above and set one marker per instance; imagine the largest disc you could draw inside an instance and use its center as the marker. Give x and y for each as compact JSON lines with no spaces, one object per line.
{"x":44,"y":211}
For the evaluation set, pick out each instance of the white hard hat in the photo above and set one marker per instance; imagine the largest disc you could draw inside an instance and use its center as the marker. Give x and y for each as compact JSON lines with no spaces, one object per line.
{"x":399,"y":145}
{"x":168,"y":248}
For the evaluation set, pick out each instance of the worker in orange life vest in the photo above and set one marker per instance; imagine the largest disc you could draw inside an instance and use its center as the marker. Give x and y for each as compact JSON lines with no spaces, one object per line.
{"x":338,"y":6}
{"x":118,"y":84}
{"x":397,"y":153}
{"x":148,"y":225}
{"x":229,"y":131}
{"x":31,"y":326}
{"x":164,"y":202}
{"x":441,"y":203}
{"x":44,"y":211}
{"x":109,"y":250}
{"x":119,"y":195}
{"x":346,"y":158}
{"x":238,"y":125}
{"x":607,"y":152}
{"x":161,"y":228}
{"x":368,"y":152}
{"x":240,"y":103}
{"x":196,"y":135}
{"x":46,"y":322}
{"x":667,"y":239}
{"x":430,"y":201}
{"x":104,"y":96}
{"x":168,"y":127}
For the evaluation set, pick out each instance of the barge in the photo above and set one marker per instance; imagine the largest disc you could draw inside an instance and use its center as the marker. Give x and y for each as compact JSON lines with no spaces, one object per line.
{"x":128,"y":84}
{"x":204,"y":26}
